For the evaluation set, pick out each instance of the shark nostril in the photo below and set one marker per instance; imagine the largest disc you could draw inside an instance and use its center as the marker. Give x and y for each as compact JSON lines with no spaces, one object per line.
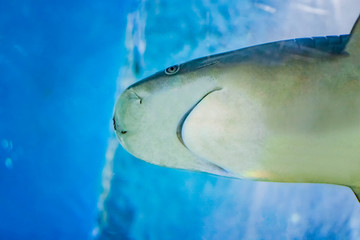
{"x":123,"y":132}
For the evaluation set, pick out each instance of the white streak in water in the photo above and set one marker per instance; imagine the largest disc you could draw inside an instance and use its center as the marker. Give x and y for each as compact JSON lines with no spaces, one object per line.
{"x":310,"y":9}
{"x":266,"y":8}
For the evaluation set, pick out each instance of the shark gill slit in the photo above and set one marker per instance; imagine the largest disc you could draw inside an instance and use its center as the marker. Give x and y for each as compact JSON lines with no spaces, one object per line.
{"x":181,"y":123}
{"x":182,"y":120}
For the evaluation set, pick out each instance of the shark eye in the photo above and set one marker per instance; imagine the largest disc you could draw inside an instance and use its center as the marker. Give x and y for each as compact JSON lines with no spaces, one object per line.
{"x":172,"y":70}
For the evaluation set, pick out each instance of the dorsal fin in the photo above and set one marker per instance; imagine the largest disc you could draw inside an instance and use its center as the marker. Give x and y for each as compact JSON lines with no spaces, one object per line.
{"x":354,"y":43}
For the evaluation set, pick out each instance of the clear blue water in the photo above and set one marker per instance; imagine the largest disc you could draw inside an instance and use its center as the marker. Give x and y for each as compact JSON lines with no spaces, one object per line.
{"x":58,"y":66}
{"x":62,"y":173}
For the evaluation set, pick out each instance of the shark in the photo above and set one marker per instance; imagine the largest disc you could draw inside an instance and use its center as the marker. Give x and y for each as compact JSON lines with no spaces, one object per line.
{"x":284,"y":111}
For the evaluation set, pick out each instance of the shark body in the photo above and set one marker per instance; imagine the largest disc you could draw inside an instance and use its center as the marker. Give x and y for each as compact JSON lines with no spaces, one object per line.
{"x":286,"y":111}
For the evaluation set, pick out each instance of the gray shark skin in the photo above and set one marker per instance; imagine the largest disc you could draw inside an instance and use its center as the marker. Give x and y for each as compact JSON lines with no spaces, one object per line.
{"x":286,"y":111}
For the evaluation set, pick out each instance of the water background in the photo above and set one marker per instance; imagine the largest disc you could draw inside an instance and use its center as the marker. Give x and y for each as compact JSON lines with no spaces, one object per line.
{"x":58,"y":66}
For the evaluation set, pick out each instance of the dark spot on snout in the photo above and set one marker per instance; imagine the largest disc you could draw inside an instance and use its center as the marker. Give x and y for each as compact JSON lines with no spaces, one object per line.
{"x":114,"y":123}
{"x":123,"y":132}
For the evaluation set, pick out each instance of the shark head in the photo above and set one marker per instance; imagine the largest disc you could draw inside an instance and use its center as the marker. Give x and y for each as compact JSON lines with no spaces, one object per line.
{"x":149,"y":115}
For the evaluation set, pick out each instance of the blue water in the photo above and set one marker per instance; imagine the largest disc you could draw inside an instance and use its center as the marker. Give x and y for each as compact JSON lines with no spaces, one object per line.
{"x":63,"y":174}
{"x":58,"y":66}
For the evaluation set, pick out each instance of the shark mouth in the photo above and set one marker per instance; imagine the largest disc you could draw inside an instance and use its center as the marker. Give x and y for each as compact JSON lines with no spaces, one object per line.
{"x":180,"y":127}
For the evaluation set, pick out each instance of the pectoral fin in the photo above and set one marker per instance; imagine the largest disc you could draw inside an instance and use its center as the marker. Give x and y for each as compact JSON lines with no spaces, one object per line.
{"x":356,"y":191}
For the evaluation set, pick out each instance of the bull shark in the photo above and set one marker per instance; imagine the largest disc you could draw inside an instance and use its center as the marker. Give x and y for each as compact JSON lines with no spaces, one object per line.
{"x":285,"y":111}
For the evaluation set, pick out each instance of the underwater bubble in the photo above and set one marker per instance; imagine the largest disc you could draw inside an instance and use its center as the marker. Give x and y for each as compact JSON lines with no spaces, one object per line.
{"x":295,"y":218}
{"x":95,"y":232}
{"x":6,"y":144}
{"x":9,"y":163}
